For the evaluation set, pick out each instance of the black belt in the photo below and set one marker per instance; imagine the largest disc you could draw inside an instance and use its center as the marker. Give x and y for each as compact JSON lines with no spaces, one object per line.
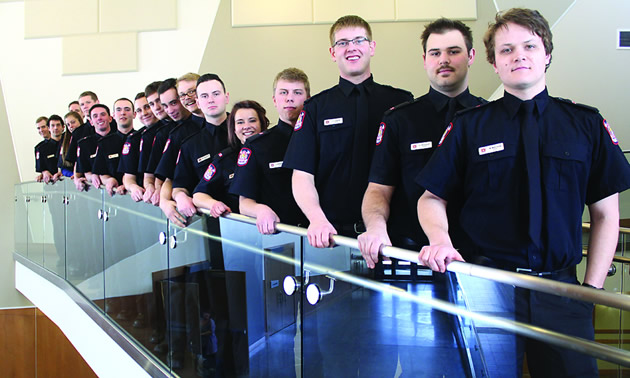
{"x":554,"y":275}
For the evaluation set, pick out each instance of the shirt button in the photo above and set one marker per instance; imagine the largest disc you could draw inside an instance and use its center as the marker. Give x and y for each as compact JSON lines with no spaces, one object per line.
{"x":566,"y":153}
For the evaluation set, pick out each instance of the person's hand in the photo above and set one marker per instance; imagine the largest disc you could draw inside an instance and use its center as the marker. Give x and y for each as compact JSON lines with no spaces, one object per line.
{"x":57,"y":176}
{"x":319,"y":234}
{"x":136,"y":192}
{"x":110,"y":185}
{"x":81,"y":183}
{"x":266,"y":220}
{"x":370,"y":243}
{"x":148,"y":193}
{"x":219,"y":208}
{"x":39,"y":177}
{"x":185,"y":205}
{"x":155,"y":198}
{"x":47,"y":177}
{"x":438,"y":256}
{"x":96,"y":181}
{"x":169,"y":208}
{"x":121,"y":189}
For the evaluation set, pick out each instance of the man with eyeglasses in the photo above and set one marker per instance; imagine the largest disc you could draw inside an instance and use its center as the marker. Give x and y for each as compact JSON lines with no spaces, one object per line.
{"x":407,"y":138}
{"x":199,"y":149}
{"x":333,"y":139}
{"x":187,"y":91}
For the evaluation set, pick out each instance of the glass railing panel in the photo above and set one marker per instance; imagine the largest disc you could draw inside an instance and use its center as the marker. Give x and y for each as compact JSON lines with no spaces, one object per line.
{"x":84,"y":243}
{"x":55,"y":228}
{"x":136,"y":269}
{"x":20,"y":224}
{"x":35,"y":232}
{"x":376,"y":329}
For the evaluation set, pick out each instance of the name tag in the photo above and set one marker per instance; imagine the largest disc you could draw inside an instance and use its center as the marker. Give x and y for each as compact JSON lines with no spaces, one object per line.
{"x":231,"y":176}
{"x":204,"y":157}
{"x":491,"y":149}
{"x":421,"y":145}
{"x":112,"y":156}
{"x":276,"y":164}
{"x":333,"y":121}
{"x":50,"y":156}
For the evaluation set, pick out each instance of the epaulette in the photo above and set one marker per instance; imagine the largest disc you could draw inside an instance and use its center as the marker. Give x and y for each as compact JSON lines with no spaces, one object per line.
{"x":224,"y":152}
{"x":397,"y":89}
{"x":312,"y":98}
{"x":480,"y":106}
{"x":573,"y":103}
{"x":193,"y":135}
{"x":41,"y":143}
{"x":400,"y":106}
{"x":253,"y":138}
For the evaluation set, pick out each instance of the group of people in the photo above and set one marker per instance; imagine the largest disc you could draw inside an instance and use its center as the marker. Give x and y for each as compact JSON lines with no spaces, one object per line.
{"x":447,"y":174}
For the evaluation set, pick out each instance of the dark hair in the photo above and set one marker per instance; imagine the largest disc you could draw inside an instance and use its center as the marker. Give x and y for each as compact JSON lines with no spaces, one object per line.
{"x":208,"y":77}
{"x":125,"y":99}
{"x":42,"y":118}
{"x":54,"y":117}
{"x":247,"y":104}
{"x":444,"y":25}
{"x":89,"y":93}
{"x":527,"y":18}
{"x":66,"y":139}
{"x":349,"y":21}
{"x":73,"y":102}
{"x":152,"y":88}
{"x":166,"y":85}
{"x":98,"y":106}
{"x":139,"y":95}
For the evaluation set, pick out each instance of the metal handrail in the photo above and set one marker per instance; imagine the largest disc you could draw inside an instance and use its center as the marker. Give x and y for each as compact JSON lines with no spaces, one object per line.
{"x":622,"y":230}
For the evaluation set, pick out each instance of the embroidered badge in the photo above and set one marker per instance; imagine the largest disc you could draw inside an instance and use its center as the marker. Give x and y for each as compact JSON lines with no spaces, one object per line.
{"x":126,"y":148}
{"x":333,"y":121}
{"x":141,"y":140}
{"x":168,"y":142}
{"x":243,"y":157}
{"x":275,"y":164}
{"x":421,"y":145}
{"x":209,"y":172}
{"x":203,"y":158}
{"x":446,"y":132}
{"x":381,"y":131}
{"x":37,"y":155}
{"x":610,"y":132}
{"x":491,"y":149}
{"x":300,"y":121}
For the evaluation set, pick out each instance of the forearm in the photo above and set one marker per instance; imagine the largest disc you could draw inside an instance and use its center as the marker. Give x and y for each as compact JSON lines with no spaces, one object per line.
{"x":148,"y":181}
{"x":306,"y":196}
{"x":129,"y":180}
{"x":433,"y":219}
{"x":375,"y":206}
{"x":603,"y":239}
{"x":203,"y":200}
{"x":166,"y":191}
{"x":179,"y":194}
{"x":248,"y":206}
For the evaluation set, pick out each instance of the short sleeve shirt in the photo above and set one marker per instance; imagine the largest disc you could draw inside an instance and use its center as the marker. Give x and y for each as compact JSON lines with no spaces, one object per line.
{"x":217,"y":179}
{"x":166,"y":167}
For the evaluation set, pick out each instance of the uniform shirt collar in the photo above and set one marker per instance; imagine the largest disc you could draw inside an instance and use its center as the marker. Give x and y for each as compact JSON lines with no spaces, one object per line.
{"x":440,"y":100}
{"x":212,"y":128}
{"x":347,"y":87}
{"x":513,"y":104}
{"x":284,"y":127}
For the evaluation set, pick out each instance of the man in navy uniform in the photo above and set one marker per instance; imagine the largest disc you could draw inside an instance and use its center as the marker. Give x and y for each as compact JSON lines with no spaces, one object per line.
{"x":86,"y":147}
{"x":526,"y":165}
{"x":332,"y":143}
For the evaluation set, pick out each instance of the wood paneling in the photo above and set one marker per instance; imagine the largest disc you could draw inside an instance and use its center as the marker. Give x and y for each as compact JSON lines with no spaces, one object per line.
{"x":17,"y":342}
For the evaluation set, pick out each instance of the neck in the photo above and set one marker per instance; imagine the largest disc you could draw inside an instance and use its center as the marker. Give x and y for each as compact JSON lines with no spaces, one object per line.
{"x":359,"y":78}
{"x":103,"y":132}
{"x":288,"y":121}
{"x":452,"y":92}
{"x":526,"y":93}
{"x":56,"y":138}
{"x":125,"y":129}
{"x":216,"y":120}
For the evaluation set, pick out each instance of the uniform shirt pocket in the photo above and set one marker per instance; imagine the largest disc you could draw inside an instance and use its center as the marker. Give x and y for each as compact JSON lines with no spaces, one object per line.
{"x":490,"y":170}
{"x":564,"y":165}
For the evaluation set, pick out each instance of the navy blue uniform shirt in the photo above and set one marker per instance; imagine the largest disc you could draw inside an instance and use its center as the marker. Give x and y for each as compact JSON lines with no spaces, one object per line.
{"x":131,"y":154}
{"x":46,"y":156}
{"x":481,"y":156}
{"x":108,"y":155}
{"x":79,"y":133}
{"x":322,"y":144}
{"x":218,"y":177}
{"x":260,"y":174}
{"x":196,"y":153}
{"x":406,"y":140}
{"x":166,"y":167}
{"x":156,"y":146}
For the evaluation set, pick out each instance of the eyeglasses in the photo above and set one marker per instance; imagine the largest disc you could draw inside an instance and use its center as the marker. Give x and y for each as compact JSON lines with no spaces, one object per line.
{"x":190,"y":93}
{"x":343,"y":43}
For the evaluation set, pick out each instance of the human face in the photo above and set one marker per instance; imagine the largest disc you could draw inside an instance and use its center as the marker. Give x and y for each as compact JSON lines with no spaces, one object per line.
{"x":156,"y":106}
{"x":124,"y":114}
{"x":72,"y":123}
{"x":100,"y":120}
{"x":143,"y":111}
{"x":288,"y":98}
{"x":86,"y":103}
{"x":77,"y":109}
{"x":520,"y":61}
{"x":353,"y":60}
{"x":172,"y":106}
{"x":187,"y":95}
{"x":446,"y":61}
{"x":42,"y":129}
{"x":246,"y":124}
{"x":212,"y":100}
{"x":56,"y":129}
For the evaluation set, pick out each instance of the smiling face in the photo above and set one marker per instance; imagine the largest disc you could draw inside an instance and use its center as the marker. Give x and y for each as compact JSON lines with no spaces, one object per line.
{"x":156,"y":106}
{"x":447,"y":61}
{"x":42,"y":129}
{"x":144,"y":112}
{"x":212,"y":100}
{"x":353,"y":60}
{"x":172,"y":105}
{"x":100,"y":120}
{"x":288,"y":99}
{"x":246,"y":124}
{"x":187,"y":95}
{"x":124,"y":114}
{"x":520,"y":61}
{"x":72,"y":123}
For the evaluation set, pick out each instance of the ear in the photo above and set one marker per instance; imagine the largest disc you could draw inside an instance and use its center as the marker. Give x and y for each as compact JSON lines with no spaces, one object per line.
{"x":372,"y":47}
{"x":227,"y":97}
{"x":424,"y":61}
{"x":471,"y":57}
{"x":547,"y":59}
{"x":495,"y":67}
{"x":332,"y":53}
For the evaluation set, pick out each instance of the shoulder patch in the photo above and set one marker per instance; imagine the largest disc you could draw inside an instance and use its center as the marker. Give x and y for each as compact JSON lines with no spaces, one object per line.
{"x":610,"y":132}
{"x":243,"y":156}
{"x":299,"y":122}
{"x":209,"y":172}
{"x":168,"y":142}
{"x":37,"y":155}
{"x":446,"y":132}
{"x":126,"y":148}
{"x":381,"y":131}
